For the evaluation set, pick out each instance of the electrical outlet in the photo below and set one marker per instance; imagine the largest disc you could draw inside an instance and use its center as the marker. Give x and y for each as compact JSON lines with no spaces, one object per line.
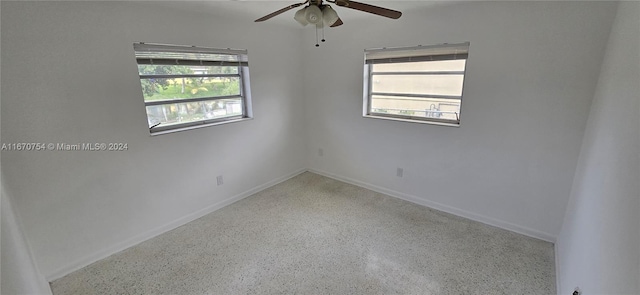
{"x":400,"y":172}
{"x":320,"y":152}
{"x":219,"y":180}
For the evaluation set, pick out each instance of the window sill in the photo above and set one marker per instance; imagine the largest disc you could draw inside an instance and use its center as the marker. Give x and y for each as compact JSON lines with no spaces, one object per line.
{"x":178,"y":129}
{"x":413,"y":121}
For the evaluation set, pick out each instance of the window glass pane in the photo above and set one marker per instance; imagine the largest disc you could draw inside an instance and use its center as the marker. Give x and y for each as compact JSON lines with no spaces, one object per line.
{"x":181,"y":70}
{"x":444,"y":109}
{"x":179,"y":113}
{"x":418,"y":84}
{"x":423,"y":66}
{"x":187,"y":87}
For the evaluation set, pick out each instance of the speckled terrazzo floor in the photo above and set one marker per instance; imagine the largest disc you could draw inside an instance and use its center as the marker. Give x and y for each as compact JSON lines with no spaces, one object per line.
{"x":316,"y":235}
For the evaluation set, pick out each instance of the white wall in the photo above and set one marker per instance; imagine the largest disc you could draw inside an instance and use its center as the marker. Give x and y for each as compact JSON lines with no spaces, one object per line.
{"x":69,"y":76}
{"x":531,"y":73}
{"x":19,"y":274}
{"x":599,"y":246}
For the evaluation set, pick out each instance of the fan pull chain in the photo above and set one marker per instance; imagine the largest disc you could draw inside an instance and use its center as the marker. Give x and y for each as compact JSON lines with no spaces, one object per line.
{"x":322,"y":33}
{"x":317,"y":45}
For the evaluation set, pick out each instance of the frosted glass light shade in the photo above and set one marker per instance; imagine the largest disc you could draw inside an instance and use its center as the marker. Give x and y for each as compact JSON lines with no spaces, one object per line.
{"x":329,"y":15}
{"x":300,"y":17}
{"x":313,"y":14}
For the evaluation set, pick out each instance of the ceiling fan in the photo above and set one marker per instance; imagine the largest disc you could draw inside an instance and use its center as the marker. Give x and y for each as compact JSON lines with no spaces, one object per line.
{"x":319,"y":14}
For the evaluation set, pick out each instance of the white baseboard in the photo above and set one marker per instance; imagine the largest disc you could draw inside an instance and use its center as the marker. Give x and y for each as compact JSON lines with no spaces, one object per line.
{"x":104,"y":253}
{"x":445,"y":208}
{"x":555,"y":254}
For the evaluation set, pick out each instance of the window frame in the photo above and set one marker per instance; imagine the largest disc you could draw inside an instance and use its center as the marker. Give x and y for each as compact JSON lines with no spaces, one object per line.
{"x":242,"y":74}
{"x":395,"y":55}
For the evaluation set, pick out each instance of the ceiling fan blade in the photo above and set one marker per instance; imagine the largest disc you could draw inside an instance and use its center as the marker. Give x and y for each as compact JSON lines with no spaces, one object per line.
{"x":394,"y":14}
{"x":337,"y":23}
{"x":268,"y":16}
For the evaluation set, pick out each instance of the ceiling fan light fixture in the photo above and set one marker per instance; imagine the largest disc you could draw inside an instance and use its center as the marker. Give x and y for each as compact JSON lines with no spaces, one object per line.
{"x":300,"y":17}
{"x":329,"y":15}
{"x":322,"y":15}
{"x":313,"y":14}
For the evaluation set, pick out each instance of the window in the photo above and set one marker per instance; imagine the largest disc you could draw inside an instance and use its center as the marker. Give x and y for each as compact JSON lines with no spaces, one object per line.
{"x":416,"y":84}
{"x":186,"y":87}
